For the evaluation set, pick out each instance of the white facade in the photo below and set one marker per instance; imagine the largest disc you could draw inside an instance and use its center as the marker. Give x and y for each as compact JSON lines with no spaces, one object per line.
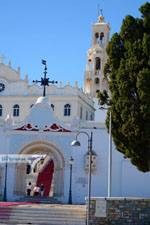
{"x":19,"y":139}
{"x":16,"y":91}
{"x":40,"y":130}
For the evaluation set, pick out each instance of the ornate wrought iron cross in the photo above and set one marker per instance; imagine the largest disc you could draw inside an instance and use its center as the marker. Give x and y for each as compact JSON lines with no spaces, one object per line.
{"x":45,"y":81}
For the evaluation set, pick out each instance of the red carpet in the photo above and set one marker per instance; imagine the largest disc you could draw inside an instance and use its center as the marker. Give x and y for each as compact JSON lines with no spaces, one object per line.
{"x":45,"y":178}
{"x":16,"y":203}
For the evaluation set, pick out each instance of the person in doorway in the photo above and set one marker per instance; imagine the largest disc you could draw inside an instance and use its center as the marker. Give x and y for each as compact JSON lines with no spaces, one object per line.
{"x":36,"y":190}
{"x":42,"y":189}
{"x":29,"y":187}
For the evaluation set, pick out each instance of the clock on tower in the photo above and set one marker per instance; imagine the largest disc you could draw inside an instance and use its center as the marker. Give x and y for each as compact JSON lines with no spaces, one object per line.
{"x":2,"y":87}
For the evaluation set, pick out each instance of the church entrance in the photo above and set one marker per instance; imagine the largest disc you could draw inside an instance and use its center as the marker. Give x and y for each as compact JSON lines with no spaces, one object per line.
{"x":39,"y":172}
{"x":48,"y":170}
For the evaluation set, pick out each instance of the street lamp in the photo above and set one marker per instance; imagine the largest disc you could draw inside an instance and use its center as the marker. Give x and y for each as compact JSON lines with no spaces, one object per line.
{"x":109,"y":154}
{"x":70,"y":189}
{"x":110,"y":158}
{"x":77,"y":143}
{"x":5,"y":187}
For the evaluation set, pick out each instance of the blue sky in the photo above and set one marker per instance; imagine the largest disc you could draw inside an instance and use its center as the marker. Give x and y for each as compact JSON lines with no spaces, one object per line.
{"x":58,"y":31}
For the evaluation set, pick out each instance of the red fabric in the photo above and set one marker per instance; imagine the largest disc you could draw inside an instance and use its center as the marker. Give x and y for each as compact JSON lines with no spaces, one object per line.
{"x":45,"y":178}
{"x":15,"y":203}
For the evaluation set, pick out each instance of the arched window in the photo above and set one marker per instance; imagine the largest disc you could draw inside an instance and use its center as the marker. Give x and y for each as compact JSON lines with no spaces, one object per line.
{"x":97,"y":63}
{"x":90,"y":65}
{"x":1,"y":110}
{"x":28,"y":169}
{"x":97,"y":81}
{"x":52,"y":106}
{"x":91,"y":117}
{"x":102,"y":38}
{"x":67,"y":110}
{"x":86,"y":115}
{"x":96,"y":38}
{"x":97,"y":35}
{"x":81,"y":113}
{"x":16,"y":110}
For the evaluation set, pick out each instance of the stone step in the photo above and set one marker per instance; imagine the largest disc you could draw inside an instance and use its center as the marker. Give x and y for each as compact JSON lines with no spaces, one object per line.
{"x":31,"y":211}
{"x":42,"y":223}
{"x":43,"y":214}
{"x":47,"y":215}
{"x":40,"y":219}
{"x":44,"y":207}
{"x":51,"y":221}
{"x":46,"y":200}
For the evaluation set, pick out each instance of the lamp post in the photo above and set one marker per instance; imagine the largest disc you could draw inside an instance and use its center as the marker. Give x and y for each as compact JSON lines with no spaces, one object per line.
{"x":110,"y":159}
{"x":77,"y":143}
{"x":70,"y":188}
{"x":5,"y":185}
{"x":109,"y":154}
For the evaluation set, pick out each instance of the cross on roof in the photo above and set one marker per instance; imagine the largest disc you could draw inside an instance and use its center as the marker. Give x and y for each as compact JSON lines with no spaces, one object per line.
{"x":2,"y":58}
{"x":44,"y":81}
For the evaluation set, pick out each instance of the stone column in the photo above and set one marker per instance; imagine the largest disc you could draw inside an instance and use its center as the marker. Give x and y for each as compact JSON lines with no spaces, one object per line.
{"x":20,"y":185}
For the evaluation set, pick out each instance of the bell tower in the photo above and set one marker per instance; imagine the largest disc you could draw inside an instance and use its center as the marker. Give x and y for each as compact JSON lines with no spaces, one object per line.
{"x":94,"y":80}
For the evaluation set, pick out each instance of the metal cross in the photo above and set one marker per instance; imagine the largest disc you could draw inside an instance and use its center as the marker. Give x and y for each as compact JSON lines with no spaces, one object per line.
{"x":101,"y":11}
{"x":44,"y":81}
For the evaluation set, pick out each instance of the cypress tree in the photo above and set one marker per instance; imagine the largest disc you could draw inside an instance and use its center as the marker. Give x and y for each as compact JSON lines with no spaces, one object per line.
{"x":128,"y":73}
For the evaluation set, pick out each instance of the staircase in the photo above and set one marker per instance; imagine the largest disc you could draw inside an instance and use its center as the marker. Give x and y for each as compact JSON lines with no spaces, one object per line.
{"x":38,"y":199}
{"x":41,"y":214}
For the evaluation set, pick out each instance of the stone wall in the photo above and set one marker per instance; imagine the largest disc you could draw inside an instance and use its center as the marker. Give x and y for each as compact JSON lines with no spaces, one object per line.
{"x":119,"y":211}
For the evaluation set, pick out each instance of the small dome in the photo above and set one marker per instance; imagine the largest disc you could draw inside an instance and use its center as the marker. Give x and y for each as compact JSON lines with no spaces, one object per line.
{"x":41,"y":115}
{"x":43,"y":100}
{"x":101,"y":19}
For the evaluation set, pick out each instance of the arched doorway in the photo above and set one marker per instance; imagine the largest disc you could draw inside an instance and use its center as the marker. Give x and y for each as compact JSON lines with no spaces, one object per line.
{"x":55,"y":185}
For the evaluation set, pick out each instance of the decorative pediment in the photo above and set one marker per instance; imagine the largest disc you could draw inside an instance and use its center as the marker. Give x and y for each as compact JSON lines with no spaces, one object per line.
{"x":52,"y":128}
{"x":41,"y":118}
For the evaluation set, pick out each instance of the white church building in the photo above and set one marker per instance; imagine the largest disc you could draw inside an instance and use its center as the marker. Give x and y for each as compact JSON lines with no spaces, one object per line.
{"x":46,"y":126}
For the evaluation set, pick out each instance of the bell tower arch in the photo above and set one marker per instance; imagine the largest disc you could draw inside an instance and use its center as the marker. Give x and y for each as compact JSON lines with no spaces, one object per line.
{"x":96,"y":57}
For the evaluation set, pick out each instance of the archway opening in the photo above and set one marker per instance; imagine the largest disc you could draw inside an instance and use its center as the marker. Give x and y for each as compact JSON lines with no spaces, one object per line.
{"x":40,"y":172}
{"x":45,"y":177}
{"x":46,"y":169}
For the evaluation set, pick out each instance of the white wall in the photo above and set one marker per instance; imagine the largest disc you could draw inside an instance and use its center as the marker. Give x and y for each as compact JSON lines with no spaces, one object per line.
{"x":126,"y":180}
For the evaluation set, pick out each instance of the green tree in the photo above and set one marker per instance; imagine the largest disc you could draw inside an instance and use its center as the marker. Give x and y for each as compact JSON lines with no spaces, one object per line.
{"x":128,"y":73}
